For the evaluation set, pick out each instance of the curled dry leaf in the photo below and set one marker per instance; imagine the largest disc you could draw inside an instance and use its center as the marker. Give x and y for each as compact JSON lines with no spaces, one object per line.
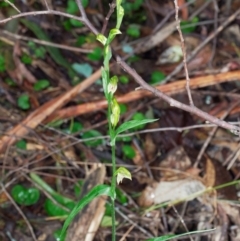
{"x":186,"y":189}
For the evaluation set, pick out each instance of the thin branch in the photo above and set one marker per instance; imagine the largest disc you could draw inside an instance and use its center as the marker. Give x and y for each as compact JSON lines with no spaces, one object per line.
{"x":46,"y":43}
{"x":81,"y":9}
{"x":34,"y":13}
{"x":110,"y":12}
{"x":175,"y":103}
{"x":12,"y":5}
{"x":184,"y":55}
{"x":45,"y":1}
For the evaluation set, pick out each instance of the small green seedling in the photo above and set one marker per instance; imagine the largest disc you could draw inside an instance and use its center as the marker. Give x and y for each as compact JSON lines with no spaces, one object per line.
{"x":72,"y":8}
{"x":96,"y":55}
{"x":25,"y":196}
{"x":128,"y":151}
{"x":39,"y":52}
{"x":189,"y":26}
{"x":22,"y":144}
{"x":81,"y":40}
{"x":74,"y":127}
{"x":23,"y":102}
{"x":41,"y":85}
{"x":124,"y":79}
{"x":26,"y":59}
{"x":92,"y":134}
{"x":157,"y":77}
{"x":133,"y":30}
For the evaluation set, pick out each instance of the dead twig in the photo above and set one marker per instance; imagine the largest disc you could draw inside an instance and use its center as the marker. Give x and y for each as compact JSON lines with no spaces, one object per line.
{"x":110,"y":12}
{"x":184,"y":55}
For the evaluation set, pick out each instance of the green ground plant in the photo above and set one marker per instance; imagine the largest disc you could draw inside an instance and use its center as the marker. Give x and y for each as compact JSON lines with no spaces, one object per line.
{"x":109,"y":86}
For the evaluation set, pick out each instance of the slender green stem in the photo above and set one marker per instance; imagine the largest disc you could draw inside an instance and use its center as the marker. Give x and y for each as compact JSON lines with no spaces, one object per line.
{"x":113,"y":186}
{"x":113,"y":181}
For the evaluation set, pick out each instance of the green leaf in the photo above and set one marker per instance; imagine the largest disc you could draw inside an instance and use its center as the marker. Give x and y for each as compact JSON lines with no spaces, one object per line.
{"x":124,"y":79}
{"x":133,"y":30}
{"x":26,"y":59}
{"x":121,"y":197}
{"x":40,"y":52}
{"x":72,"y":6}
{"x":81,"y":40}
{"x":56,"y":235}
{"x":5,"y":4}
{"x":121,"y":173}
{"x":139,"y":116}
{"x":106,"y":221}
{"x":97,"y":191}
{"x":54,"y":52}
{"x":25,"y":196}
{"x":130,"y":124}
{"x":41,"y":85}
{"x":96,"y":54}
{"x":123,"y":108}
{"x":52,"y":209}
{"x":74,"y":127}
{"x":22,"y":144}
{"x":189,"y":26}
{"x":23,"y":102}
{"x":83,"y":69}
{"x":128,"y":151}
{"x":2,"y":64}
{"x":91,"y":134}
{"x":76,"y":23}
{"x":157,"y":77}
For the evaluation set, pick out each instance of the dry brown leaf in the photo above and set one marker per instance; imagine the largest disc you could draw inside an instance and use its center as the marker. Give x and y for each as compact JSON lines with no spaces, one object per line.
{"x":186,"y":189}
{"x":210,"y":174}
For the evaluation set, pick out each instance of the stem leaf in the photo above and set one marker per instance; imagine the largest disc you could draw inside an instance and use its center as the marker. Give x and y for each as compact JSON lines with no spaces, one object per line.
{"x":129,"y":125}
{"x":97,"y":191}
